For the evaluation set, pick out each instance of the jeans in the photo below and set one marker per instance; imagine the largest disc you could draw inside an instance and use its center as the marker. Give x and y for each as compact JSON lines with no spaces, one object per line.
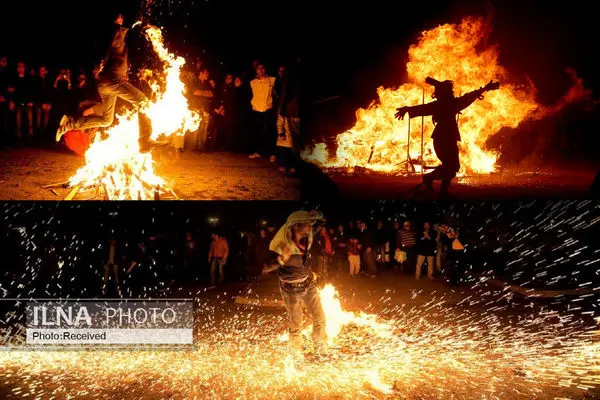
{"x":216,"y":263}
{"x":24,"y":112}
{"x":109,"y":92}
{"x":309,"y":297}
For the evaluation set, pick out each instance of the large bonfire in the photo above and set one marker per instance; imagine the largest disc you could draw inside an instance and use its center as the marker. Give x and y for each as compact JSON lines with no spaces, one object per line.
{"x":454,"y":52}
{"x":114,"y":162}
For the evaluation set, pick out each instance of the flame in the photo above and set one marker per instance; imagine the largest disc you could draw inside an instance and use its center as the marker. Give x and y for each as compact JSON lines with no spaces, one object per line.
{"x":454,"y":52}
{"x":115,"y":162}
{"x":337,"y":318}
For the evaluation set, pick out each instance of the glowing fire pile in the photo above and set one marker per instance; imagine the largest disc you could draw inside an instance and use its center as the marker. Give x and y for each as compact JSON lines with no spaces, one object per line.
{"x":116,"y":162}
{"x":429,"y":351}
{"x":455,"y":52}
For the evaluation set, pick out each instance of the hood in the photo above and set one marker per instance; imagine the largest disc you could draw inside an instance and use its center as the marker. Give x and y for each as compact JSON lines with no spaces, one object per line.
{"x":284,"y":238}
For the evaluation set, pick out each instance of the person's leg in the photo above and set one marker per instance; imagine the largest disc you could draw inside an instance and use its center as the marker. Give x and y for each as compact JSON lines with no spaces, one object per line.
{"x":213,"y":272}
{"x":203,"y":132}
{"x":115,"y":270}
{"x":105,"y":280}
{"x":430,"y":264}
{"x":108,"y":94}
{"x":450,"y":165}
{"x":19,"y":121}
{"x":294,"y":312}
{"x":38,"y":117}
{"x":130,"y":94}
{"x":221,"y":272}
{"x":420,"y":261}
{"x":319,"y":333}
{"x":30,"y":123}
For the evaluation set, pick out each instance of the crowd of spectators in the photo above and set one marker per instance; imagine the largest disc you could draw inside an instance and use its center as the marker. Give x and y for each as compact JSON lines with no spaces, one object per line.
{"x":250,"y":112}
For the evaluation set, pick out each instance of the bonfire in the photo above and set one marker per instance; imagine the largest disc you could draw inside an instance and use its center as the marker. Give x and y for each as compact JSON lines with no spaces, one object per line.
{"x":114,"y":161}
{"x":456,"y":52}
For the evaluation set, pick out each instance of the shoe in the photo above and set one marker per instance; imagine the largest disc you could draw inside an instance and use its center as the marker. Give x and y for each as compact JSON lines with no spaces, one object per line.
{"x":254,"y":156}
{"x":66,"y":125}
{"x":273,"y":159}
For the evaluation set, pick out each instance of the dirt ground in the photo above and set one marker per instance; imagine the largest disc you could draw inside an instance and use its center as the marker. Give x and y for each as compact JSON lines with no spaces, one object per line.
{"x":193,"y":176}
{"x":561,"y":182}
{"x":231,"y":360}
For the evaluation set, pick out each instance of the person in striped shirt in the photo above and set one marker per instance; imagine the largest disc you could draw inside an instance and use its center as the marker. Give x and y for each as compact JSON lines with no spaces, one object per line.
{"x":407,"y":241}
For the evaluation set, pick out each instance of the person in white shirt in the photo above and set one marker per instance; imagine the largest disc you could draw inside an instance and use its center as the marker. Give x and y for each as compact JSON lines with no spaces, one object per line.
{"x":265,"y":135}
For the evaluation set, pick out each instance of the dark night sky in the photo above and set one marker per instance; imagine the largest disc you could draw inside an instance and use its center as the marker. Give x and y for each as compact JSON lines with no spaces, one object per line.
{"x":61,"y":32}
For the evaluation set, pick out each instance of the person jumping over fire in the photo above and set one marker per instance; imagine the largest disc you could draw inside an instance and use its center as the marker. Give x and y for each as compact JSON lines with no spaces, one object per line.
{"x":113,"y":83}
{"x":446,"y":134}
{"x":297,"y":282}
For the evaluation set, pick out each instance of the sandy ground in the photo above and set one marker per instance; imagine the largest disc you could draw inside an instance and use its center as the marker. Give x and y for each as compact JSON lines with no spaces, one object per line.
{"x":234,"y":355}
{"x":193,"y":176}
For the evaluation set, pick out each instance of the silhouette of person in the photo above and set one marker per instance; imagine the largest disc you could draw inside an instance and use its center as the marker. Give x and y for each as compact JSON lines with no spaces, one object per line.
{"x":446,"y":134}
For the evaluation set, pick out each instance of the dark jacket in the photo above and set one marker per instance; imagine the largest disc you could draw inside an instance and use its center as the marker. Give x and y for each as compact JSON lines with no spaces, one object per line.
{"x":444,"y":114}
{"x":426,"y":247}
{"x":116,"y":59}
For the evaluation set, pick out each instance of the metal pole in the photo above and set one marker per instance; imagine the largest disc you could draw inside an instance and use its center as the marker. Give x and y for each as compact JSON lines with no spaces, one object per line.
{"x":422,"y":136}
{"x":408,"y":147}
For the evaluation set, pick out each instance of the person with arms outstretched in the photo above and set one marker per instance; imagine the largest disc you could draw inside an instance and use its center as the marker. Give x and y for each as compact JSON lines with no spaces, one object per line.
{"x":446,"y":134}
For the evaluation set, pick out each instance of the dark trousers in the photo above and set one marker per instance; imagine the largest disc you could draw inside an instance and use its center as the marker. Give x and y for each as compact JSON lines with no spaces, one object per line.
{"x":264,"y":133}
{"x":109,"y":91}
{"x":24,"y":120}
{"x":309,"y":297}
{"x":447,"y":152}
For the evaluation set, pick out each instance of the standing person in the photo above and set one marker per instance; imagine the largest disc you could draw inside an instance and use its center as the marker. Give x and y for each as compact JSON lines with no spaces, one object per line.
{"x":217,"y":257}
{"x":203,"y":95}
{"x":426,"y":251}
{"x":4,"y":99}
{"x":353,"y":251}
{"x":380,"y":237}
{"x":22,"y":101}
{"x":339,"y":241}
{"x":456,"y":250}
{"x":407,"y":242}
{"x":297,"y":282}
{"x":368,"y":255}
{"x":323,"y":252}
{"x":446,"y":134}
{"x":227,"y":134}
{"x":190,"y":257}
{"x":113,"y":83}
{"x":262,"y":110}
{"x":112,"y":265}
{"x":441,"y":248}
{"x":43,"y":101}
{"x":242,"y":129}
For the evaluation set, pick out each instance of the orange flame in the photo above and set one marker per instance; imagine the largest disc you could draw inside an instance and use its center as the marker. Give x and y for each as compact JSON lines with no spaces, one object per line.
{"x":116,"y":162}
{"x":449,"y":52}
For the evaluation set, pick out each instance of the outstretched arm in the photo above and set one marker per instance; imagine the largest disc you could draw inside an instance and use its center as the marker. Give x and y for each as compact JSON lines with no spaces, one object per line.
{"x":416,"y":111}
{"x":469,"y":98}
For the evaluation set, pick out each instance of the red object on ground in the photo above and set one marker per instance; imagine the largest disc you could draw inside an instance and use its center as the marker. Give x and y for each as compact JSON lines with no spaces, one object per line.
{"x":77,"y":141}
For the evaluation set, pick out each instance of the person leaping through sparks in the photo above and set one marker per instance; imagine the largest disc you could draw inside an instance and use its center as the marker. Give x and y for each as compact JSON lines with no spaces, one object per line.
{"x":446,"y":134}
{"x":113,"y":83}
{"x":297,"y":282}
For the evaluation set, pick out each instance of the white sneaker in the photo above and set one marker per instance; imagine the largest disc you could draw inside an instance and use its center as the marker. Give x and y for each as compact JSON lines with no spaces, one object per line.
{"x":65,"y":126}
{"x":253,"y":156}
